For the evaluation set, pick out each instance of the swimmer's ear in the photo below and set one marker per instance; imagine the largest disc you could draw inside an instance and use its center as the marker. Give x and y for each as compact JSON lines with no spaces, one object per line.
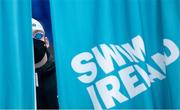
{"x":46,"y":42}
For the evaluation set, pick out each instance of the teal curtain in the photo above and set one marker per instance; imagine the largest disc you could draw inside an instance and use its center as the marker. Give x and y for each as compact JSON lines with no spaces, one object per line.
{"x":16,"y":55}
{"x":117,"y":53}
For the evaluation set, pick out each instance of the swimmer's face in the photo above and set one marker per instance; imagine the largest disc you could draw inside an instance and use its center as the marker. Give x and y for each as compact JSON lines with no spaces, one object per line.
{"x":40,"y":35}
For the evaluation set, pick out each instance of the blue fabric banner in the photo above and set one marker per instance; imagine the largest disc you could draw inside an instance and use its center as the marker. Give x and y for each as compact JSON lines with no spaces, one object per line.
{"x":117,"y":53}
{"x":16,"y":55}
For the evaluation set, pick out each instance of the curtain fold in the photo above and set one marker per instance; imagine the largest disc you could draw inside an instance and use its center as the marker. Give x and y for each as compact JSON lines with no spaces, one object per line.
{"x":117,"y":53}
{"x":16,"y":55}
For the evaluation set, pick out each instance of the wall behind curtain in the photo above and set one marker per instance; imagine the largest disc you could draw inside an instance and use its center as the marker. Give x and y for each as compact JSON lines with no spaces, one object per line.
{"x":82,"y":25}
{"x":16,"y":55}
{"x":41,"y":12}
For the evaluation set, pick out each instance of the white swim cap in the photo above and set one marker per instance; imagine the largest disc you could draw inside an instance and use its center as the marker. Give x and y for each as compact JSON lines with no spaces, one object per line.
{"x":36,"y":25}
